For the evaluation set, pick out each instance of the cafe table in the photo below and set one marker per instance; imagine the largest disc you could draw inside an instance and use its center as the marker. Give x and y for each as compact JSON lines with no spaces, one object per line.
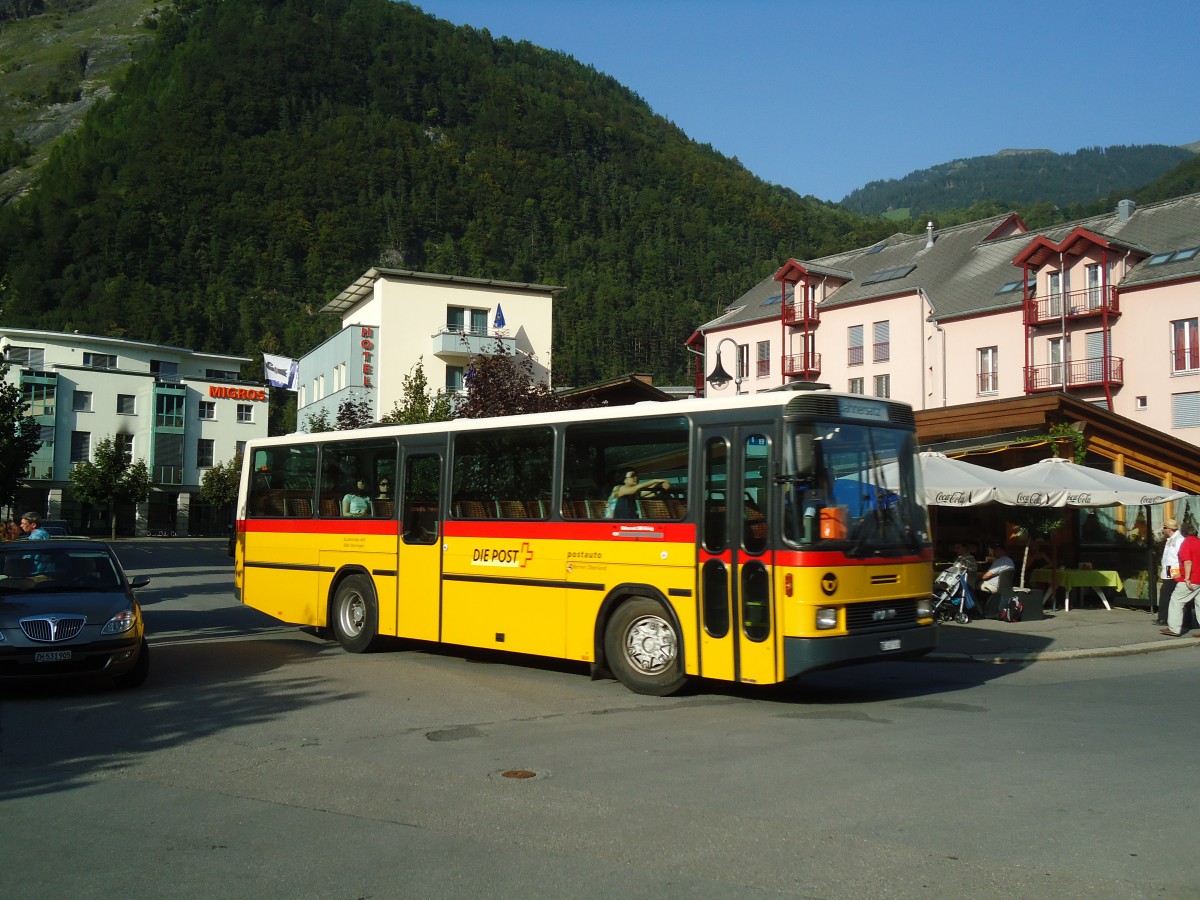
{"x":1069,"y":579}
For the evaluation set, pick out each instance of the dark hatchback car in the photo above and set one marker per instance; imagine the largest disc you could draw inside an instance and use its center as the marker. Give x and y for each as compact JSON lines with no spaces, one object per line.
{"x":67,"y":608}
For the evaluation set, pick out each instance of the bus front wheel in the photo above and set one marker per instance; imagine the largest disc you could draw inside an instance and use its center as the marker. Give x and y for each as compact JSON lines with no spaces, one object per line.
{"x":642,"y":649}
{"x":355,"y":614}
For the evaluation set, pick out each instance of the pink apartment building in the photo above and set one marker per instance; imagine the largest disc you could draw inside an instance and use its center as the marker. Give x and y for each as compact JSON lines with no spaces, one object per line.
{"x":1103,"y":310}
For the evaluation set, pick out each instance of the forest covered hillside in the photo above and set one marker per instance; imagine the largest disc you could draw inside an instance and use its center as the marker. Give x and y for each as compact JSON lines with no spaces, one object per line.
{"x":1019,"y":176}
{"x":261,"y":155}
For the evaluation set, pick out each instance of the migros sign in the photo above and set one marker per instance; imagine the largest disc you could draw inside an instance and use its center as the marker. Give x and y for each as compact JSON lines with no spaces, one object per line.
{"x":230,"y":393}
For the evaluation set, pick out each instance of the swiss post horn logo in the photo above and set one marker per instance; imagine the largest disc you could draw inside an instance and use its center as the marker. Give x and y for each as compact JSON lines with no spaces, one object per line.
{"x":829,"y":584}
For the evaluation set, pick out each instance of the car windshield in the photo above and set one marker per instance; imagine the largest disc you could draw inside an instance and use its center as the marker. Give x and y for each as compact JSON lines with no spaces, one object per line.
{"x":857,"y":487}
{"x":28,"y":567}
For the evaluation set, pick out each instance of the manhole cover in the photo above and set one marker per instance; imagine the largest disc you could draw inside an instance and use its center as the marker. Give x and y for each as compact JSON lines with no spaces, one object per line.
{"x":519,"y":774}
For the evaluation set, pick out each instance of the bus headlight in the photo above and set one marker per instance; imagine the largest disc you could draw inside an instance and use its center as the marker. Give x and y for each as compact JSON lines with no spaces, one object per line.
{"x":826,"y":618}
{"x":925,"y":608}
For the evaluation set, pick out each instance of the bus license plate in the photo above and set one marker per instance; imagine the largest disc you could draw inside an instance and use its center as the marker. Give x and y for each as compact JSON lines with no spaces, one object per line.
{"x":52,"y":656}
{"x":890,"y":645}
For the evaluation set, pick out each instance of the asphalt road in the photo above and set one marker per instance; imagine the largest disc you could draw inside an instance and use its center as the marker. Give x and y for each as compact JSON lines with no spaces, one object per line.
{"x":259,"y":760}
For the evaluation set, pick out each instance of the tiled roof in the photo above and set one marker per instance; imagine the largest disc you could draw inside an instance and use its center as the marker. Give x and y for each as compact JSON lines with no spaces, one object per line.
{"x":963,"y":271}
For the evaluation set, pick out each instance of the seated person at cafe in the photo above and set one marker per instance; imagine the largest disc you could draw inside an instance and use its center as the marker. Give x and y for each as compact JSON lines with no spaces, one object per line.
{"x":1000,"y":562}
{"x":964,"y":555}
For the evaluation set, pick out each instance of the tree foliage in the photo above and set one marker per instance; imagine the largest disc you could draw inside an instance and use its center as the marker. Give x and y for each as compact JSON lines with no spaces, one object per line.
{"x":261,"y":155}
{"x":503,"y":384}
{"x":318,"y":422}
{"x":352,"y":413}
{"x":219,"y":485}
{"x":417,"y":402}
{"x":111,"y":479}
{"x":20,"y":438}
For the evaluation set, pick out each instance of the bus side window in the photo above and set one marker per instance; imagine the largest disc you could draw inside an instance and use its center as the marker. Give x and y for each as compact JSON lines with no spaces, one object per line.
{"x":420,"y":518}
{"x":502,"y":474}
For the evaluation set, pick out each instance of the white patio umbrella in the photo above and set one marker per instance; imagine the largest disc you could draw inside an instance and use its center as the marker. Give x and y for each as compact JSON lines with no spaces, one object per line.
{"x":1069,"y":484}
{"x":955,"y":482}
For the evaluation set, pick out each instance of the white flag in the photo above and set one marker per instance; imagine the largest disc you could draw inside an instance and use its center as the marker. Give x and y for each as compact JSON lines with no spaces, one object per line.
{"x":280,"y":371}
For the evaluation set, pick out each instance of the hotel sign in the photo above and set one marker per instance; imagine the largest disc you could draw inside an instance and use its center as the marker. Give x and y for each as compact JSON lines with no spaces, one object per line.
{"x":367,"y":343}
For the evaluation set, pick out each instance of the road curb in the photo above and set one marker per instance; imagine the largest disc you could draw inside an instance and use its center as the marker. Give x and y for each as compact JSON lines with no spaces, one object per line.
{"x":1028,"y":656}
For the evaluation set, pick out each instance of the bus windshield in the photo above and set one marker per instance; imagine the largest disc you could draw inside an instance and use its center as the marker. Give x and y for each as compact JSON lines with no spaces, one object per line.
{"x":856,"y":487}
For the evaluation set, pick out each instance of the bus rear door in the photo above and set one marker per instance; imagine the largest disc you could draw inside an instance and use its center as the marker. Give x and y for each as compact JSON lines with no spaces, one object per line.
{"x":419,"y":562}
{"x":737,"y":629}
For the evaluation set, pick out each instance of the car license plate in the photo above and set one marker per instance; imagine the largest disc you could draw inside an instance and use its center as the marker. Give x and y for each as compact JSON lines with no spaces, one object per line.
{"x":890,"y":645}
{"x":52,"y":656}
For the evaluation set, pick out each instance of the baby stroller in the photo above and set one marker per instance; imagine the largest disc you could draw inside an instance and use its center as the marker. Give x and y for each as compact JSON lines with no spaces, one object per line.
{"x":952,"y":595}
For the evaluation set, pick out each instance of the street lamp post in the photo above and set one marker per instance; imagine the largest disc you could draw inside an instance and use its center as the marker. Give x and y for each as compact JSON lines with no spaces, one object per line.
{"x":718,"y":377}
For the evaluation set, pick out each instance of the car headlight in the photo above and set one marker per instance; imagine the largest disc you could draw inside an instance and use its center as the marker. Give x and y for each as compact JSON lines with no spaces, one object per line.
{"x":827,"y":617}
{"x":120,"y":623}
{"x":925,"y":608}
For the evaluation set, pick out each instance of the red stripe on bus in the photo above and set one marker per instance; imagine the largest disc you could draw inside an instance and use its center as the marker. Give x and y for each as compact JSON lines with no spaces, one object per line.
{"x":670,"y":532}
{"x":320,"y":526}
{"x":823,"y":558}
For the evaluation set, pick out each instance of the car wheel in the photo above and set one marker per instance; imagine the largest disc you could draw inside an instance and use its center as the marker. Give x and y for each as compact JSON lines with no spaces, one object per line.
{"x":642,"y":649}
{"x":355,"y":614}
{"x":136,"y":676}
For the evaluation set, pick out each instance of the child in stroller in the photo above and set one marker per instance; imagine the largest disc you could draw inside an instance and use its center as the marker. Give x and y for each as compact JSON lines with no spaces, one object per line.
{"x":953,"y":598}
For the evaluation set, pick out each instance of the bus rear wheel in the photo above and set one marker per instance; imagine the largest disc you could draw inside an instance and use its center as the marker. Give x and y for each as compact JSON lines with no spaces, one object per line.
{"x":641,"y":646}
{"x":355,"y":614}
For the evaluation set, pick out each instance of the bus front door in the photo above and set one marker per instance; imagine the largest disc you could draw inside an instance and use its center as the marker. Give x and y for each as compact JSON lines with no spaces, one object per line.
{"x":738,"y":634}
{"x":419,"y":563}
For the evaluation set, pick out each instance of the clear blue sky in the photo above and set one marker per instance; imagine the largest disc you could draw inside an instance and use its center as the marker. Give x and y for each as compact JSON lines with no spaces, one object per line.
{"x":824,"y":97}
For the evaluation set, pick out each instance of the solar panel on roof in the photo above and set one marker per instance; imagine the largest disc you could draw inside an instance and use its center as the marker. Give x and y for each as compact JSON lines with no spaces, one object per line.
{"x":888,"y":274}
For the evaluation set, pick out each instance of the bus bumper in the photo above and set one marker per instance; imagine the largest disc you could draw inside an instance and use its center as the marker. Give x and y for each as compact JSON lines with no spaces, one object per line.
{"x":806,"y":654}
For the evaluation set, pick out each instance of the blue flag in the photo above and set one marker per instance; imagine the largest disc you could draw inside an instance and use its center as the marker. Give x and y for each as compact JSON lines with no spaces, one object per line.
{"x":498,"y":322}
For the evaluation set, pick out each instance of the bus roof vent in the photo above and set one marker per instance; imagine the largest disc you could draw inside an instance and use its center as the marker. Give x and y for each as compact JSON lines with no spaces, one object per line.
{"x":799,"y":386}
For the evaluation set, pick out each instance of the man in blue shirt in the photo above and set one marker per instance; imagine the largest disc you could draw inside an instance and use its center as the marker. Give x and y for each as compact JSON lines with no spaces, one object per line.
{"x":31,"y":524}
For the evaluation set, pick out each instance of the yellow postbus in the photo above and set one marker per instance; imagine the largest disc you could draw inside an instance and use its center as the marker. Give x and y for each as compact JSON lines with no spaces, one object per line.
{"x":753,"y":539}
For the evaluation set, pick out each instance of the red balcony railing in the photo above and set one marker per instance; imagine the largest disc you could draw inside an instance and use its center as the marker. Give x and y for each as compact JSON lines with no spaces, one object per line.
{"x":798,"y":366}
{"x":1078,"y":374}
{"x":801,"y":314}
{"x":1072,"y":305}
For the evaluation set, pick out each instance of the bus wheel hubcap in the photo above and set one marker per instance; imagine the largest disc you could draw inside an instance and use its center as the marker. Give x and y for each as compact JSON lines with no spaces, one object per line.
{"x":650,"y":645}
{"x":353,"y":614}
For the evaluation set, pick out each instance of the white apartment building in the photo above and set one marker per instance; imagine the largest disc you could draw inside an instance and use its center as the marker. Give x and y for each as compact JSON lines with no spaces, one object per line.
{"x":179,"y":410}
{"x":393,"y":318}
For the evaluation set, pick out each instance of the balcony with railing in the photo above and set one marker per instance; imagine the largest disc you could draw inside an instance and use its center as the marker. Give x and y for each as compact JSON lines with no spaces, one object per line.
{"x":802,"y":313}
{"x":1083,"y":304}
{"x":460,"y":342}
{"x":806,"y":366}
{"x":1084,"y":373}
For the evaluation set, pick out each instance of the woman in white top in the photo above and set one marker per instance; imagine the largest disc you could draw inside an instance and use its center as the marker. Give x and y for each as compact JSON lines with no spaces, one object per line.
{"x":1170,"y":562}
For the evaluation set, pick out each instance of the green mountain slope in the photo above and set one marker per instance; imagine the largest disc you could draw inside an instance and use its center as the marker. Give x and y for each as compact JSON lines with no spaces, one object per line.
{"x":1019,"y":176}
{"x":260,"y":155}
{"x":57,"y":58}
